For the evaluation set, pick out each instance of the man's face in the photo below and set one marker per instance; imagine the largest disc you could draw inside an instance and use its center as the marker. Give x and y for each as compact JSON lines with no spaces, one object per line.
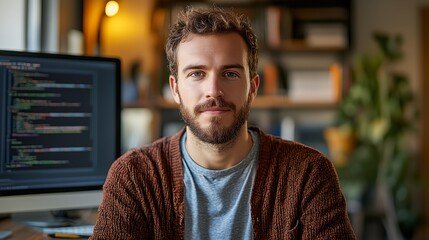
{"x":214,"y":89}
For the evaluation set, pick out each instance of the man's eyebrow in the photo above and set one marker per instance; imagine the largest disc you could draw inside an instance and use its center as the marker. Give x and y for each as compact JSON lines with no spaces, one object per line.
{"x":239,"y":66}
{"x":190,"y":67}
{"x":196,"y":66}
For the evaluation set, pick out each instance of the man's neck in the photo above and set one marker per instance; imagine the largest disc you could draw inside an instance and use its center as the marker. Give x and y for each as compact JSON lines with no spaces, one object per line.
{"x":219,"y":156}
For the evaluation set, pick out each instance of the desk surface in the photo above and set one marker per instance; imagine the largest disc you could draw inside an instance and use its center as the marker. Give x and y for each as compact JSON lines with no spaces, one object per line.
{"x":21,"y":231}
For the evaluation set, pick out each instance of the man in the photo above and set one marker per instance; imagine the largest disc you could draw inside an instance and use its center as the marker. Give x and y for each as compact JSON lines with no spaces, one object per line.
{"x":219,"y":178}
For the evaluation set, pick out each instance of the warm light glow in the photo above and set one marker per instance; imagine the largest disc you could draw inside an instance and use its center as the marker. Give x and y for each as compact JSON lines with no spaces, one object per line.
{"x":112,"y":8}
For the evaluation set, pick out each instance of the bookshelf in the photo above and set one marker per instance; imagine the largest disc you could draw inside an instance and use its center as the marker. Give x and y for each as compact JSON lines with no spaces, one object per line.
{"x":295,"y":36}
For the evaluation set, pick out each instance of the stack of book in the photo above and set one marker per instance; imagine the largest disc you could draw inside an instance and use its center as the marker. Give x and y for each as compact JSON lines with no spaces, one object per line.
{"x":315,"y":85}
{"x":326,"y":35}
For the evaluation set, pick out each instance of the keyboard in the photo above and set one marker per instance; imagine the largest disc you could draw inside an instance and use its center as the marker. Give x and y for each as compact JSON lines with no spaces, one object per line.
{"x":85,"y":230}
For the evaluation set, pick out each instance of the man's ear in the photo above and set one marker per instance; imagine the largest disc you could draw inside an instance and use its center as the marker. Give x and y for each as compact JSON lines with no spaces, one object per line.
{"x":254,"y":86}
{"x":174,"y":87}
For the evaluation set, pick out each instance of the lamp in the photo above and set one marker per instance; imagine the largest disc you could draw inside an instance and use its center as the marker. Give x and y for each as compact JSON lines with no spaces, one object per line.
{"x":110,"y":10}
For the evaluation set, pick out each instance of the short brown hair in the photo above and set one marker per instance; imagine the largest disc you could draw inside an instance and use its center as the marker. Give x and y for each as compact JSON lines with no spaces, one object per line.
{"x":206,"y":21}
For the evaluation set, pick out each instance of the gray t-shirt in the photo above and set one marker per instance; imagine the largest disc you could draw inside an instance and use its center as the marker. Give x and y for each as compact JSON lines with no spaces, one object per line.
{"x":217,"y":202}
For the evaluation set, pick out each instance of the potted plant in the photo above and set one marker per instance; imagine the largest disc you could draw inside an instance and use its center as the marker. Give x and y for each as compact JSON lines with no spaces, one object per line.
{"x":378,"y":112}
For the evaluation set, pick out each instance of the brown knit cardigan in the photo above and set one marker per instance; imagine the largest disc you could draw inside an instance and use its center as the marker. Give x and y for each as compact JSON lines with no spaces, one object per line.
{"x":296,"y":194}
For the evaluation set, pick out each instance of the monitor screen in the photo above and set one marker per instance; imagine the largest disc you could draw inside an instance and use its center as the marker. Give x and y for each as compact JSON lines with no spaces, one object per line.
{"x":59,"y":129}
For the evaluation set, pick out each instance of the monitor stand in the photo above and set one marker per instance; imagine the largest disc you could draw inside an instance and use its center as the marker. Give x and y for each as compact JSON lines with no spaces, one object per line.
{"x":60,"y":218}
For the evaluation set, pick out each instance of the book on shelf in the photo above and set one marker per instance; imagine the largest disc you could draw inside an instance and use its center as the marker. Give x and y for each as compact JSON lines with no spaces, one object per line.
{"x":271,"y":75}
{"x":278,"y":26}
{"x":273,"y":79}
{"x":326,"y":35}
{"x":315,"y":85}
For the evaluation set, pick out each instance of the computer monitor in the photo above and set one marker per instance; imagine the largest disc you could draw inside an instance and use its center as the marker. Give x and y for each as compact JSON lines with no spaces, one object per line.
{"x":59,"y":129}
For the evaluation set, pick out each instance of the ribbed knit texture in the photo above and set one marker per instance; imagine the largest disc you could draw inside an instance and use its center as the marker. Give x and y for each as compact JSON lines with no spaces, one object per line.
{"x":296,"y":194}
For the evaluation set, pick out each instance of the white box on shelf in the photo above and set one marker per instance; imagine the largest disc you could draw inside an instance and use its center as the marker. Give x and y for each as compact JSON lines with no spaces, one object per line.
{"x":311,"y":86}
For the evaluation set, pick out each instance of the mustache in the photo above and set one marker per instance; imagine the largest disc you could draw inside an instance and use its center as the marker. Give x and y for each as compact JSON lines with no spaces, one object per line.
{"x":213,"y":103}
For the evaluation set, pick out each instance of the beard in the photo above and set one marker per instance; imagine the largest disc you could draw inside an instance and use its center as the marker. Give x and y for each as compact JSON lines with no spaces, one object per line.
{"x":216,"y":133}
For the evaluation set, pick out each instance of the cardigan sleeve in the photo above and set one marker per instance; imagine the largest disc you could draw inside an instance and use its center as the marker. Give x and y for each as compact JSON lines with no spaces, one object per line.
{"x":324,"y":214}
{"x":120,"y":213}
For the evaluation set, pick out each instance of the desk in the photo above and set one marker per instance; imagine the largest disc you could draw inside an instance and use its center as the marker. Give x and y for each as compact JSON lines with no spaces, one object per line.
{"x":23,"y":232}
{"x":20,"y":231}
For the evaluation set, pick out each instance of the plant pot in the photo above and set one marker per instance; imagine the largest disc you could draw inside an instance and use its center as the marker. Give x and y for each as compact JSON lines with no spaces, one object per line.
{"x":341,"y":143}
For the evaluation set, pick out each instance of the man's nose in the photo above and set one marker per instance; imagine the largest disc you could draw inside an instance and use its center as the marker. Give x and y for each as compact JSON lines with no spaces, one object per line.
{"x":214,"y":89}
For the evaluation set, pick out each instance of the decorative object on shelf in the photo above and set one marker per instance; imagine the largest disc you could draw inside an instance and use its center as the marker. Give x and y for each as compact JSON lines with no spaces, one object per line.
{"x":380,"y":110}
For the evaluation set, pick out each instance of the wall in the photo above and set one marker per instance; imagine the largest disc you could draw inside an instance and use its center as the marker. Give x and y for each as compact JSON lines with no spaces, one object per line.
{"x":395,"y":17}
{"x":391,"y":16}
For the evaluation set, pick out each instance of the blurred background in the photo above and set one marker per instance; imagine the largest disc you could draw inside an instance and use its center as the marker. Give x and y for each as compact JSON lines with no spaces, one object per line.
{"x":345,"y":77}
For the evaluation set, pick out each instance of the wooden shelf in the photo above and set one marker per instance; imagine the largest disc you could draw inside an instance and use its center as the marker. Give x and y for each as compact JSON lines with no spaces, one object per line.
{"x":283,"y":102}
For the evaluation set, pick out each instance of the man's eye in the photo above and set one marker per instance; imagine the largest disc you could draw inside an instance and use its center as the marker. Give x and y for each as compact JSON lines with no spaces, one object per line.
{"x":231,"y":75}
{"x":197,"y":74}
